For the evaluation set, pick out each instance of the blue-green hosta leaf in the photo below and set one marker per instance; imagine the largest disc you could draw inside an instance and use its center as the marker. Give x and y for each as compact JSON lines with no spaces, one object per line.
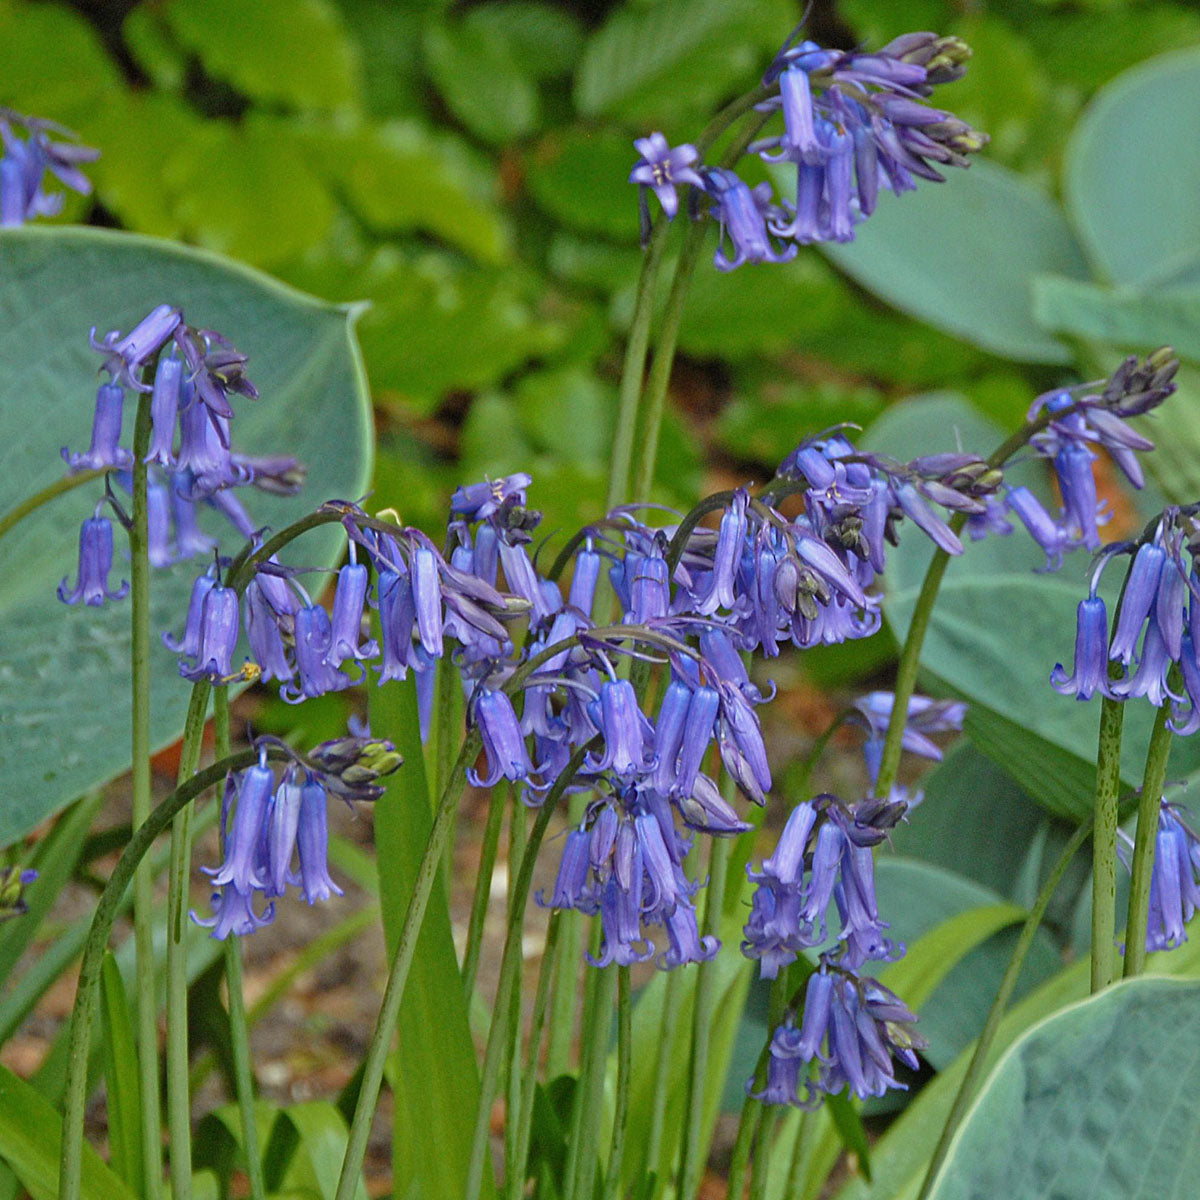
{"x":1098,"y":1099}
{"x":64,"y":703}
{"x":963,"y":254}
{"x":1133,"y":170}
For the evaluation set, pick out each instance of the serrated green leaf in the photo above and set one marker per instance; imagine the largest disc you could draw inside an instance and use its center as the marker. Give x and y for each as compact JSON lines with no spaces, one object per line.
{"x":294,"y":52}
{"x":1099,"y":1099}
{"x":963,"y":254}
{"x":1131,"y":203}
{"x":482,"y":80}
{"x":58,"y":740}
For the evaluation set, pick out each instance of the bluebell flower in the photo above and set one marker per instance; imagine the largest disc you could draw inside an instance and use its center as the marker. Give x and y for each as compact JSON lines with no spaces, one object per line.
{"x":924,"y":716}
{"x":106,"y":450}
{"x":189,"y":644}
{"x":246,"y":859}
{"x":349,"y":603}
{"x":1049,"y":534}
{"x":503,"y":742}
{"x":478,"y":501}
{"x":262,"y":623}
{"x":215,"y":369}
{"x":312,"y":842}
{"x":95,"y":562}
{"x":622,"y":725}
{"x":233,"y":913}
{"x":282,"y":826}
{"x":164,"y":411}
{"x":25,"y":162}
{"x":125,"y":354}
{"x":662,"y":169}
{"x":316,"y":676}
{"x":1091,"y":654}
{"x":743,"y":213}
{"x":1174,"y":892}
{"x":218,"y":634}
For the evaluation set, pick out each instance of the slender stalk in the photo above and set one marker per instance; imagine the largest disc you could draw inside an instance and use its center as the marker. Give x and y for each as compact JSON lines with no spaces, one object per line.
{"x":616,"y":1154}
{"x":510,"y":967}
{"x":764,"y":1146}
{"x":971,"y":1080}
{"x":1104,"y":842}
{"x":50,"y":492}
{"x":239,"y":1025}
{"x":567,"y":953}
{"x":179,"y":1114}
{"x":801,"y":1154}
{"x":389,"y":1012}
{"x":693,"y":1155}
{"x":514,"y":1183}
{"x":668,"y":1024}
{"x":143,"y":885}
{"x":621,"y":465}
{"x":585,"y":1117}
{"x":1142,"y":871}
{"x":83,"y":1015}
{"x":483,"y":889}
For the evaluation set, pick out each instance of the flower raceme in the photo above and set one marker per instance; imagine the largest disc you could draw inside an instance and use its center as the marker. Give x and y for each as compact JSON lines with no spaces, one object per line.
{"x":853,"y":123}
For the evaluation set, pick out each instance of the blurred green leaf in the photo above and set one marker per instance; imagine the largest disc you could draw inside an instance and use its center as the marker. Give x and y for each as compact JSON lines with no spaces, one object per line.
{"x":152,"y":47}
{"x":963,"y":254}
{"x":1126,"y":317}
{"x":481,"y":79}
{"x":592,"y":264}
{"x":293,"y":52}
{"x":1084,"y":1094}
{"x":56,"y":741}
{"x":388,"y":37}
{"x":876,"y":22}
{"x":677,"y":55}
{"x":767,"y":428}
{"x":55,"y":65}
{"x":580,"y":177}
{"x":319,"y":1141}
{"x":1085,"y":52}
{"x":1175,"y":463}
{"x":547,"y":40}
{"x":404,"y":177}
{"x":291,"y":207}
{"x":568,"y":413}
{"x":1133,"y":170}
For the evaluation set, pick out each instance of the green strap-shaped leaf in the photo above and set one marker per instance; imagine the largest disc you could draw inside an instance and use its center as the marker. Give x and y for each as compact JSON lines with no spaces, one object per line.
{"x":120,"y":1076}
{"x":1095,"y":1103}
{"x":64,"y":692}
{"x":30,"y":1137}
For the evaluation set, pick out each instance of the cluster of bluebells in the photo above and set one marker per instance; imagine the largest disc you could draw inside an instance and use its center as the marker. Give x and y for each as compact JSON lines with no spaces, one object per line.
{"x":1077,"y":422}
{"x":852,"y":1026}
{"x":1174,"y":893}
{"x":276,"y":824}
{"x":853,"y":123}
{"x":189,"y":375}
{"x":29,"y":153}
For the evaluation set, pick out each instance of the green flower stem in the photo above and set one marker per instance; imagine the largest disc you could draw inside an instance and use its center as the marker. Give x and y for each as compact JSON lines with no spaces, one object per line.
{"x":975,"y":1069}
{"x":567,"y":954}
{"x":483,"y":888}
{"x":516,"y":1170}
{"x":764,"y":1146}
{"x":143,"y":886}
{"x":633,"y":369}
{"x":589,"y":1090}
{"x":667,"y":1027}
{"x":616,"y":1155}
{"x":1144,"y":841}
{"x":83,"y":1016}
{"x":179,"y":1114}
{"x":510,"y":970}
{"x":694,"y":1152}
{"x":1104,"y":843}
{"x":801,"y":1154}
{"x":50,"y":492}
{"x":389,"y":1012}
{"x":910,"y":654}
{"x":239,"y":1025}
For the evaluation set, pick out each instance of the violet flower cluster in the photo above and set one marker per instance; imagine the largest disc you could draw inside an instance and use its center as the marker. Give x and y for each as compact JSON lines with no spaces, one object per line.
{"x":29,"y":153}
{"x":1174,"y":890}
{"x":853,"y":122}
{"x":275,"y":825}
{"x":192,"y":465}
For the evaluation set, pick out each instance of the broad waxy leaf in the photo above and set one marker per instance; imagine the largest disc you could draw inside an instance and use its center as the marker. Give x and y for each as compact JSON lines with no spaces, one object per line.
{"x":64,"y":690}
{"x":1100,"y":1100}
